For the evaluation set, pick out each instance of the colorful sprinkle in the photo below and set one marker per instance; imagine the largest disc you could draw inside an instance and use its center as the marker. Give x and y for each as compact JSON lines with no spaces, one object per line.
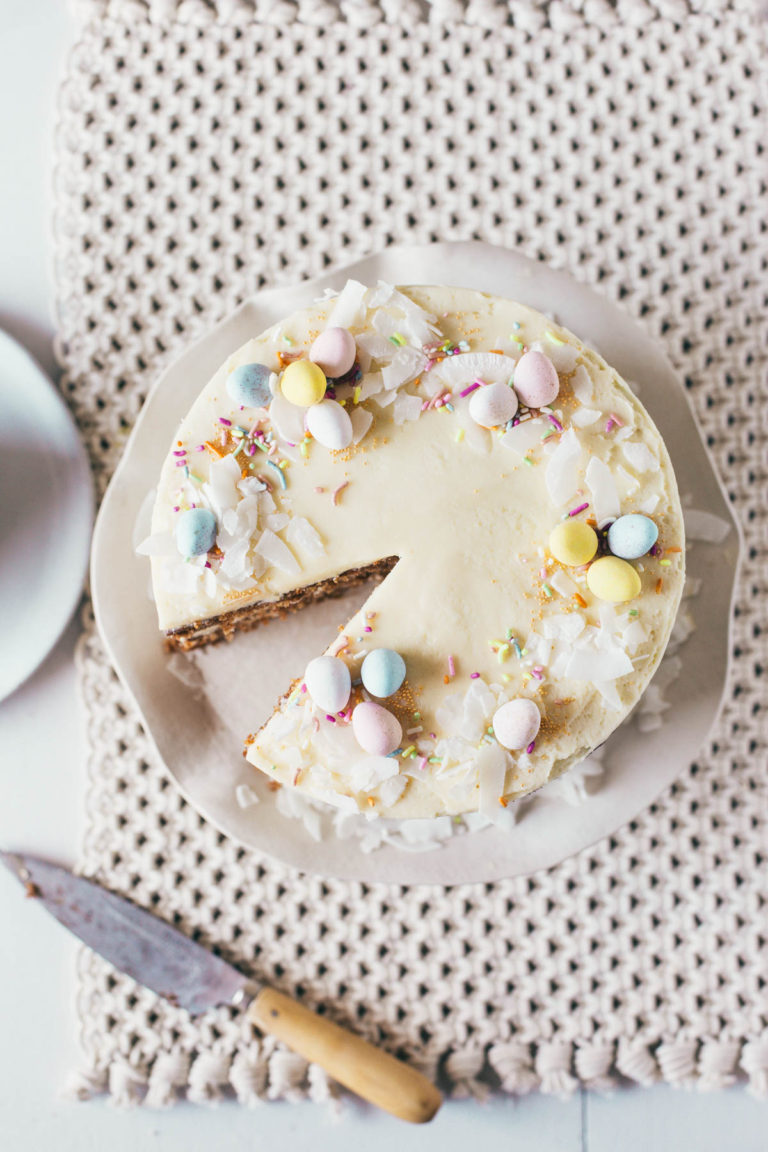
{"x":581,"y":508}
{"x":276,"y":468}
{"x":337,"y":491}
{"x":470,"y":388}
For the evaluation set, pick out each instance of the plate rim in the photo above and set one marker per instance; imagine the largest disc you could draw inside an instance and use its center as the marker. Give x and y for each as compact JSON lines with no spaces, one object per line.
{"x":191,"y":353}
{"x":69,"y":593}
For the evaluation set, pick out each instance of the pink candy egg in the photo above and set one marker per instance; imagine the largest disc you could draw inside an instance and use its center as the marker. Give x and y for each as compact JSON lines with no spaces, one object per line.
{"x":376,"y":730}
{"x":535,"y":379}
{"x":334,"y":351}
{"x":516,"y":723}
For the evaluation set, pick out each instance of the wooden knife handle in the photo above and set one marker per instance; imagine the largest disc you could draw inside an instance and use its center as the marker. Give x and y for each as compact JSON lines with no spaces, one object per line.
{"x":371,"y":1073}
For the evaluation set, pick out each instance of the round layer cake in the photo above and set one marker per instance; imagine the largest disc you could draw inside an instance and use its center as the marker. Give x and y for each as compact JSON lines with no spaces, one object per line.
{"x":508,"y":489}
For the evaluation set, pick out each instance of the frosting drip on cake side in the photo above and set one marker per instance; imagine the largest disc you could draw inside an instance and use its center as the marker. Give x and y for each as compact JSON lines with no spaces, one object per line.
{"x":477,"y":604}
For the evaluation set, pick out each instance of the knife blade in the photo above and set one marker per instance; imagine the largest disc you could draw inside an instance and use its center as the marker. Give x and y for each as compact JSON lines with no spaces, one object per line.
{"x":162,"y":958}
{"x":140,"y":944}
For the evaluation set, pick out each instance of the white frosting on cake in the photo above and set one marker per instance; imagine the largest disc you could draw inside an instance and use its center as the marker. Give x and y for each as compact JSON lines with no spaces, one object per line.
{"x":475,"y":604}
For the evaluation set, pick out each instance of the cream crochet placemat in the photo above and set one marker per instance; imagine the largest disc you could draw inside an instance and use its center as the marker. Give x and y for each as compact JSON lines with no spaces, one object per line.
{"x":208,"y":148}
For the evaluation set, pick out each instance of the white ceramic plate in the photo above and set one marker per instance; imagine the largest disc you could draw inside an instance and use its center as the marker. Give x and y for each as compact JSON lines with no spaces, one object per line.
{"x":198,"y":727}
{"x":46,"y":513}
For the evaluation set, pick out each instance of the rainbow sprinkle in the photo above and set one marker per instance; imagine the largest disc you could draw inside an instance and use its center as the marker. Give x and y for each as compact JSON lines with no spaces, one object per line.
{"x":276,"y":468}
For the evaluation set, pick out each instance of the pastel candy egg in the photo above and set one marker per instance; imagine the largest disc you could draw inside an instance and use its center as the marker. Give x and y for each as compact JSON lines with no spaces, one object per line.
{"x":535,"y":379}
{"x":334,"y":350}
{"x":303,"y":383}
{"x":493,"y":405}
{"x":610,"y":578}
{"x":195,"y":532}
{"x":330,"y":425}
{"x":248,"y":385}
{"x":516,"y":723}
{"x":328,"y":683}
{"x":573,"y":542}
{"x":383,"y":672}
{"x":376,"y":730}
{"x":632,"y":536}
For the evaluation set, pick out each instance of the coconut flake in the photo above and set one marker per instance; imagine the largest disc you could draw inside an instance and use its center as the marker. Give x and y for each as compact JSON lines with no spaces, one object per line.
{"x":370,"y":385}
{"x":277,"y":553}
{"x":245,"y":796}
{"x":277,"y":521}
{"x":705,"y":526}
{"x":302,"y":535}
{"x":525,"y":435}
{"x":581,"y":383}
{"x":404,"y":366}
{"x":467,"y":367}
{"x":626,"y":483}
{"x":380,"y":295}
{"x":158,"y":544}
{"x":562,"y":583}
{"x":406,"y":407}
{"x":287,"y":418}
{"x":361,"y":421}
{"x":562,"y":355}
{"x":375,"y":345}
{"x":384,"y":399}
{"x":649,"y":504}
{"x":609,"y":693}
{"x":639,"y":456}
{"x":562,"y":473}
{"x":605,"y":498}
{"x":391,"y":790}
{"x":348,"y":308}
{"x":221,"y":487}
{"x":251,"y":486}
{"x":605,"y":664}
{"x":565,"y":626}
{"x":583,"y":417}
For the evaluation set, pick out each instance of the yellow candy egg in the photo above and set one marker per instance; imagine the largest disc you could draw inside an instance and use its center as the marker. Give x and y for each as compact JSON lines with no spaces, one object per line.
{"x":613,"y":579}
{"x":573,"y":542}
{"x":303,"y":383}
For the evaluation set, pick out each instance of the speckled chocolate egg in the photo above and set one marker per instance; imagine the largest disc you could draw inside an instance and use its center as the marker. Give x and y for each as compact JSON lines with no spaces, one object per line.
{"x":195,"y":532}
{"x":493,"y":405}
{"x":382,"y":672}
{"x":330,"y":425}
{"x":334,"y":350}
{"x":375,"y":728}
{"x":535,"y":379}
{"x":328,"y":683}
{"x":248,"y":385}
{"x":516,"y":723}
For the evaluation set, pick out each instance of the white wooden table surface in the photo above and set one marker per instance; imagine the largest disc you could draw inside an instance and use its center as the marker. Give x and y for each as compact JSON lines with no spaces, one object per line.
{"x":41,"y":787}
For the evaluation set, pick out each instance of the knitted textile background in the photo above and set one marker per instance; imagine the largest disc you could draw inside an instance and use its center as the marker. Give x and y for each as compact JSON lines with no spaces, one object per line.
{"x":208,"y":148}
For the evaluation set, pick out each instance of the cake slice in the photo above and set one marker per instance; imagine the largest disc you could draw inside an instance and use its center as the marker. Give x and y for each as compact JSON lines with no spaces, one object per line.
{"x":508,"y":489}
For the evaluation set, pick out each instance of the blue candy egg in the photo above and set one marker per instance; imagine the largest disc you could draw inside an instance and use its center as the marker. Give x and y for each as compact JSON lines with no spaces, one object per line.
{"x":249,"y":385}
{"x":383,"y":672}
{"x":630,"y":537}
{"x":195,"y":532}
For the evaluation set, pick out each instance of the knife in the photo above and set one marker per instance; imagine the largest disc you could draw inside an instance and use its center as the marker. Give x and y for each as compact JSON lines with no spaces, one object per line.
{"x":159,"y":956}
